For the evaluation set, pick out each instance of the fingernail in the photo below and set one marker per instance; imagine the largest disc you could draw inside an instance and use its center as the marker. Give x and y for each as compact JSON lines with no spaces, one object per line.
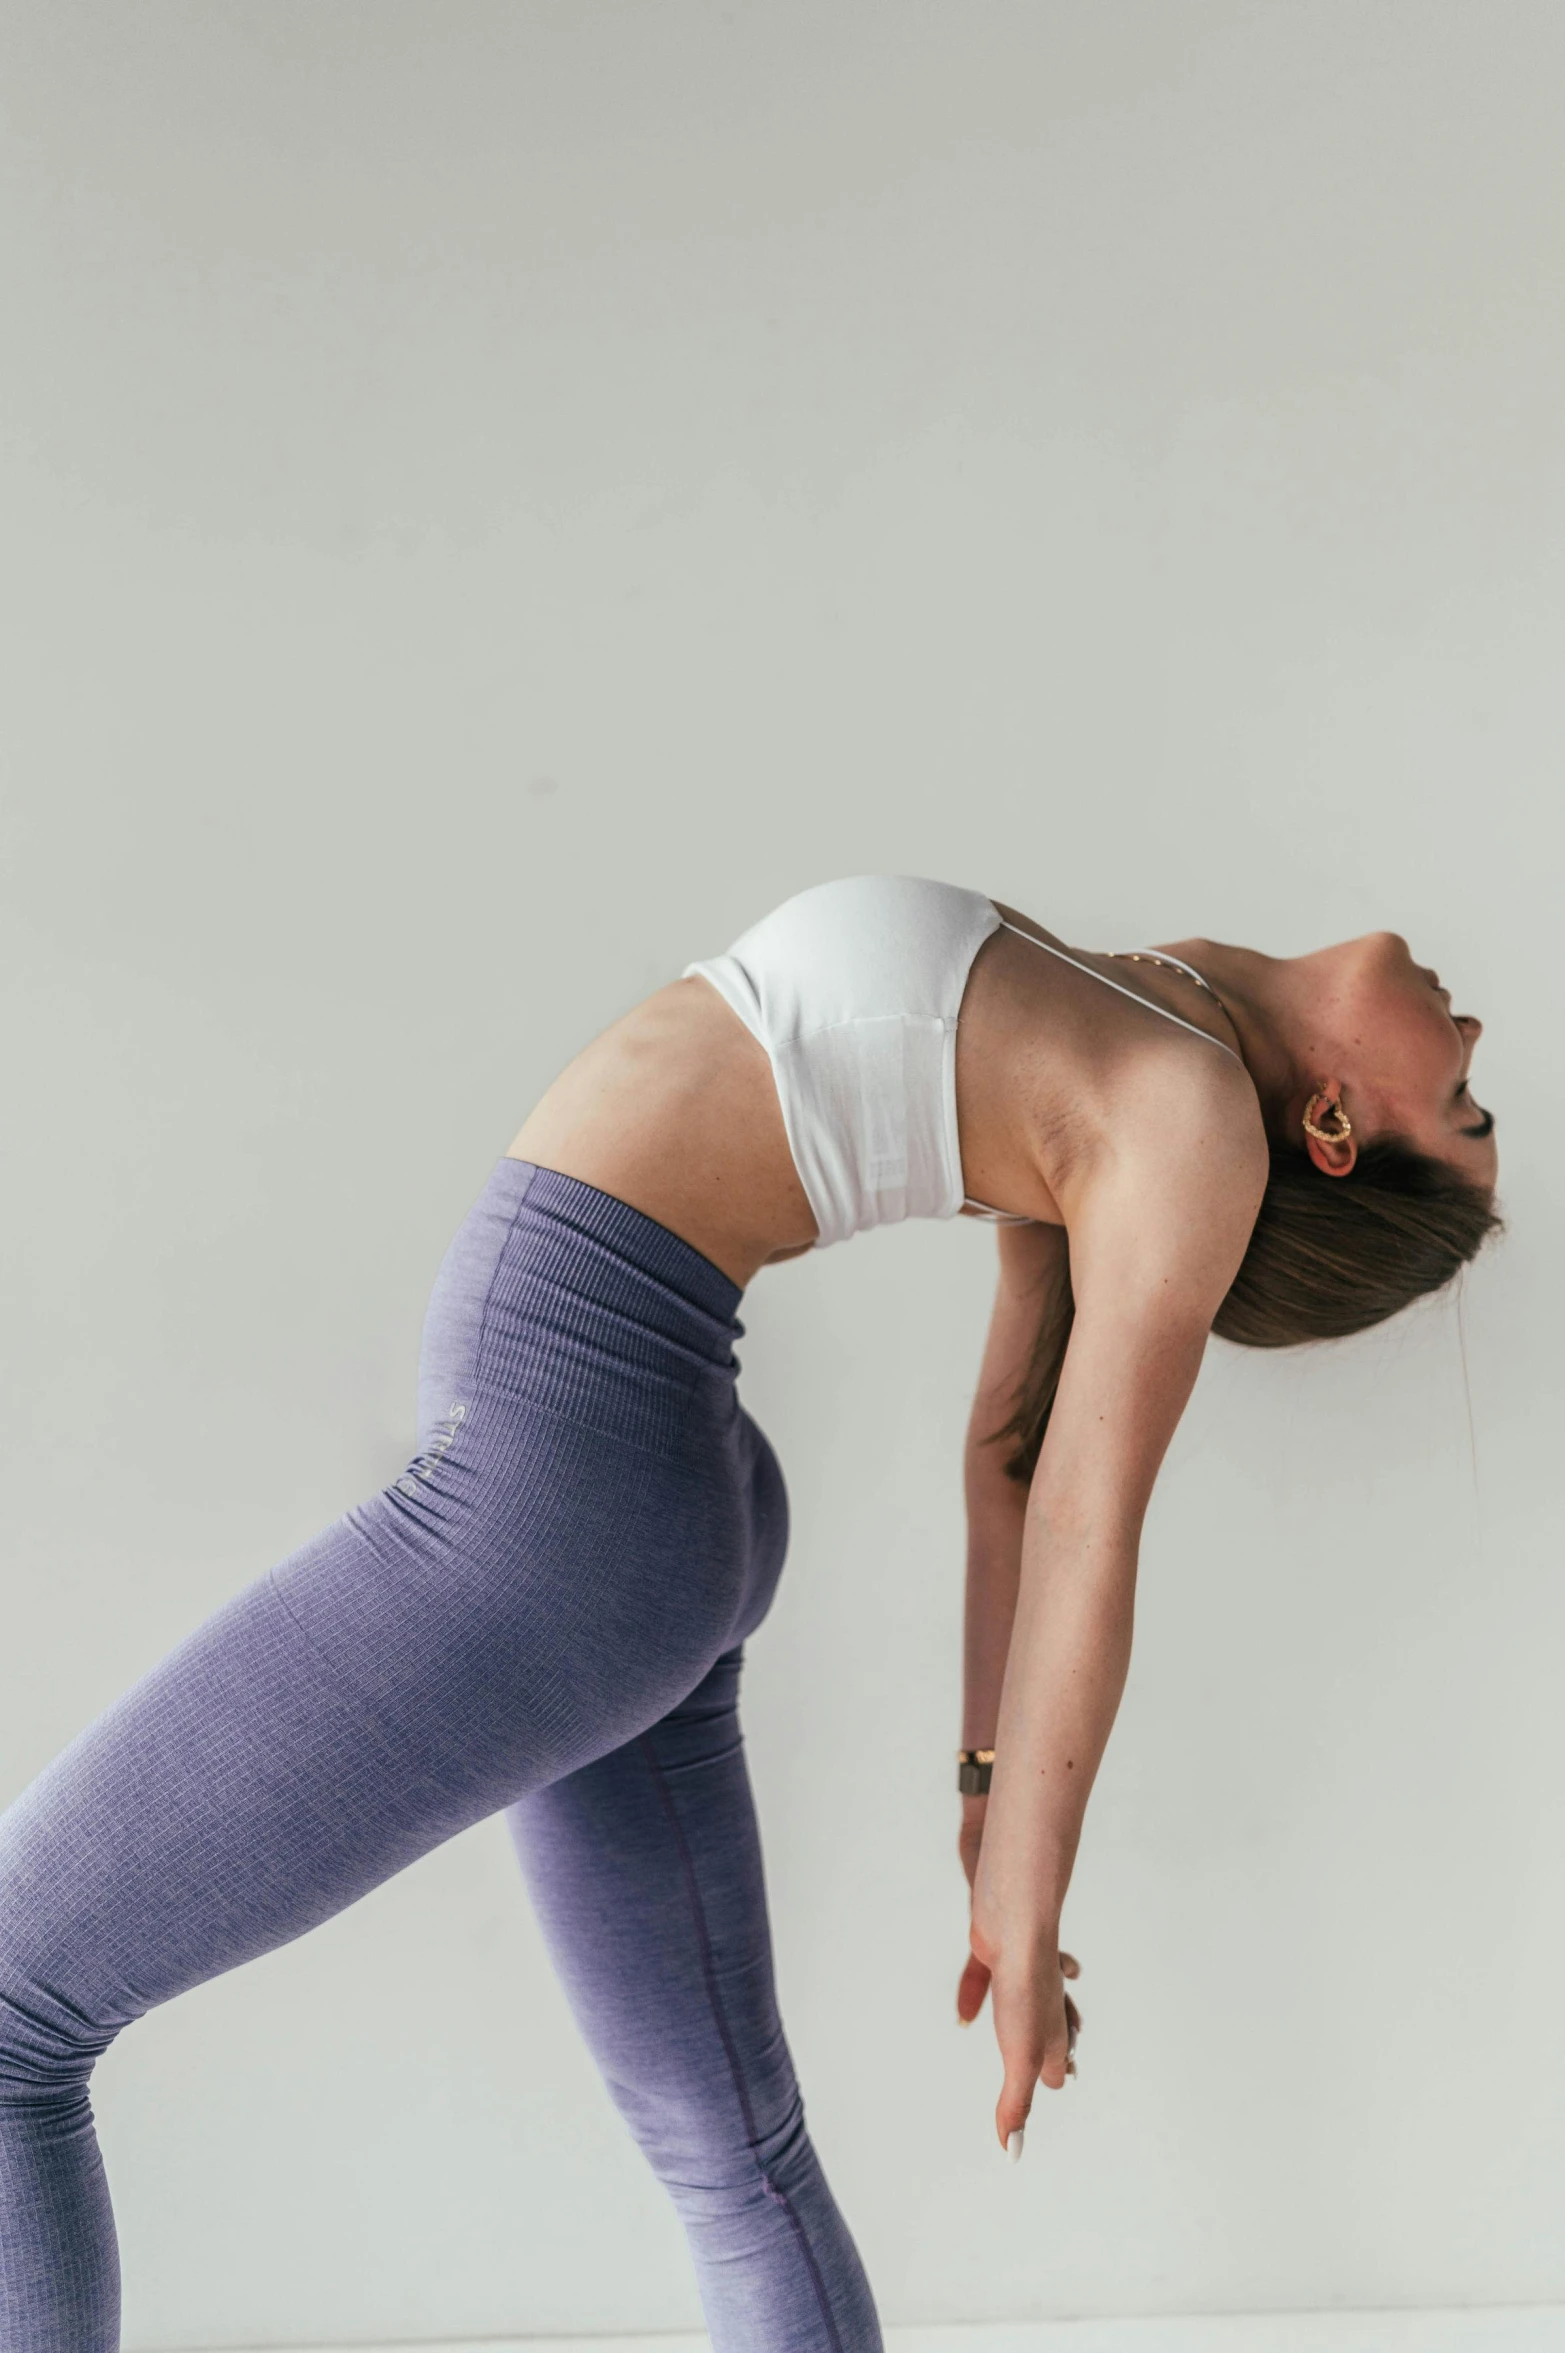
{"x":1013,"y":2147}
{"x":961,"y":2021}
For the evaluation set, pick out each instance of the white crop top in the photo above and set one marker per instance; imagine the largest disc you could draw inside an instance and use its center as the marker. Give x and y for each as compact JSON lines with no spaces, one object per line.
{"x":853,"y":988}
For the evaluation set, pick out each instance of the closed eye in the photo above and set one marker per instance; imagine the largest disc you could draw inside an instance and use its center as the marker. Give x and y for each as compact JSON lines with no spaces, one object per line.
{"x":1485,"y":1125}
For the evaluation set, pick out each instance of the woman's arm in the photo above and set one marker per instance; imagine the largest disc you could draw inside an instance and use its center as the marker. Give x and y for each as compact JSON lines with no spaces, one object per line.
{"x":1033,"y":1263}
{"x":1151,"y":1256}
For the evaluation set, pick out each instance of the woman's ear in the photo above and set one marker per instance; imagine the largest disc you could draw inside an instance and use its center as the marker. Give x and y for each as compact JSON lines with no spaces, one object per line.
{"x":1333,"y":1158}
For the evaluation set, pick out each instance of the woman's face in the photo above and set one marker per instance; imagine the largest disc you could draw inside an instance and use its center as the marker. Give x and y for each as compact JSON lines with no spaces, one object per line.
{"x":1403,"y":1054}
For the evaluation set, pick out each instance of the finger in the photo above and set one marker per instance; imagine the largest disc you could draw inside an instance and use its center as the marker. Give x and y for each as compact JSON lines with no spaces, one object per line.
{"x":1056,"y":2053}
{"x":971,"y":1990}
{"x":1056,"y":2061}
{"x":1072,"y":2020}
{"x":1015,"y":2102}
{"x":1069,"y":1965}
{"x":1020,"y":2011}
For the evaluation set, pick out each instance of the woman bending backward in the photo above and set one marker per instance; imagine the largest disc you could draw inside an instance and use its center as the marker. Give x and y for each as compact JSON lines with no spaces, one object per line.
{"x":545,"y":1613}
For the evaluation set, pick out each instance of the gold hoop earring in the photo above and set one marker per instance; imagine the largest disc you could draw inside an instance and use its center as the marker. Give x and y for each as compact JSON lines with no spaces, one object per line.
{"x":1327,"y":1135}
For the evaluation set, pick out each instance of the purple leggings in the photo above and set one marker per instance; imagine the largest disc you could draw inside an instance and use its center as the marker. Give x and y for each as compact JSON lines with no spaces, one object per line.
{"x":545,"y":1613}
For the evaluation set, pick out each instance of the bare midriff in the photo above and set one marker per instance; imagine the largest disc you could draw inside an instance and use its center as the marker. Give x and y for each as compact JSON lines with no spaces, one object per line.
{"x":674,"y":1108}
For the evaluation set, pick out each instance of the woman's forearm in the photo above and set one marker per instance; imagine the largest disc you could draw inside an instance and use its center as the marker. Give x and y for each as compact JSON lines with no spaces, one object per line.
{"x":996,"y":1518}
{"x":1069,"y":1655}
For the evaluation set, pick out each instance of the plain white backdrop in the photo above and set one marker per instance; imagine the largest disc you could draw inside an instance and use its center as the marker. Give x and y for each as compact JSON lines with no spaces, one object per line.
{"x":496,"y":495}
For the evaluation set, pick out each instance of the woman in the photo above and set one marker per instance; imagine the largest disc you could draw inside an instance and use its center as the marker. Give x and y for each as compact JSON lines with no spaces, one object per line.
{"x":546,"y":1610}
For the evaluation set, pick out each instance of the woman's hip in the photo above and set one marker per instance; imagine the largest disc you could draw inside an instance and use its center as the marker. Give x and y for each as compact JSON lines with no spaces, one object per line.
{"x":557,"y":1295}
{"x":551,"y":1565}
{"x":578,"y":1404}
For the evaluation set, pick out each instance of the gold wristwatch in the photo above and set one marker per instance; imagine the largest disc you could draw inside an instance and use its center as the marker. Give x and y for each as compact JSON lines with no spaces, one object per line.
{"x":974,"y":1766}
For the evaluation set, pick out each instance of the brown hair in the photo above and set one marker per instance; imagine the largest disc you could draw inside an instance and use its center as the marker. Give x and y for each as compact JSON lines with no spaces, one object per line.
{"x":1327,"y":1256}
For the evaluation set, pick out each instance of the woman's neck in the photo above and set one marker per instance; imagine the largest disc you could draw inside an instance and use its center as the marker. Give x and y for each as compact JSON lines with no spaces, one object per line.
{"x":1259,"y":995}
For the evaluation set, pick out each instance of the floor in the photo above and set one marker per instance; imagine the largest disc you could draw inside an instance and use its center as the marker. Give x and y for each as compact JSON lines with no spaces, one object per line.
{"x":1490,"y":2329}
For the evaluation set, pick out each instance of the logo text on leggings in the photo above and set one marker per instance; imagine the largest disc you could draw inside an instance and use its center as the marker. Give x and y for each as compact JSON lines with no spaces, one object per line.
{"x":424,"y":1466}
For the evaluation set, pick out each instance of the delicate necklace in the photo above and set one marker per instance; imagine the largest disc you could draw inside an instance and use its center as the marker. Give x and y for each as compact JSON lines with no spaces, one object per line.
{"x":1173,"y":964}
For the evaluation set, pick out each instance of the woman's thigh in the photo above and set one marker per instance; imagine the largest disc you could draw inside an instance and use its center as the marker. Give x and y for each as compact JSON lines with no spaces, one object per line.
{"x":390,"y":1682}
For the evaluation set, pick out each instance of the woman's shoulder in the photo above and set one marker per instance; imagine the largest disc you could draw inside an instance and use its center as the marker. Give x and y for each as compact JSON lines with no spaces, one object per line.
{"x":1189,"y":1156}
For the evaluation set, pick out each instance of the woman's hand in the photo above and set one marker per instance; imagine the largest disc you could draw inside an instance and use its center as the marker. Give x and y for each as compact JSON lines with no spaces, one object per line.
{"x":1035,"y":2020}
{"x":975,"y":1977}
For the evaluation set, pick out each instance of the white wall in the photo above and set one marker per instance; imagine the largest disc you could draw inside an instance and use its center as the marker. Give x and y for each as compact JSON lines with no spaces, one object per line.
{"x":496,"y":497}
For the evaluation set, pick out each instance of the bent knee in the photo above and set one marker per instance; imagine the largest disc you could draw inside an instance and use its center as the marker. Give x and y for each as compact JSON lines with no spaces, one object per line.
{"x":47,"y":2047}
{"x":52,"y":2030}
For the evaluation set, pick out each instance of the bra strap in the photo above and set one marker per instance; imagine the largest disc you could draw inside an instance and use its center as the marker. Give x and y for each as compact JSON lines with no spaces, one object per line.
{"x":998,"y":1217}
{"x":1193,"y":1028}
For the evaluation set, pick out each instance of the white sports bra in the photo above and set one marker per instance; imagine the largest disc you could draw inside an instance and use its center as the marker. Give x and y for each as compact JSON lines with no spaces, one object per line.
{"x":853,"y":988}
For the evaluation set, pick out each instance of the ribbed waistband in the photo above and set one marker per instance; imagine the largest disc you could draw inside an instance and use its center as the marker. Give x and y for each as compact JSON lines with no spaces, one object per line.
{"x":557,"y":1293}
{"x":637,"y":1261}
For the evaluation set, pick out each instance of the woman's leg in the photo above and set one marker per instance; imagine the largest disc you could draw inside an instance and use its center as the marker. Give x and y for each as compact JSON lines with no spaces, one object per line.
{"x":234,"y":1797}
{"x":587,"y":1522}
{"x":401,"y":1676}
{"x":645,"y":1871}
